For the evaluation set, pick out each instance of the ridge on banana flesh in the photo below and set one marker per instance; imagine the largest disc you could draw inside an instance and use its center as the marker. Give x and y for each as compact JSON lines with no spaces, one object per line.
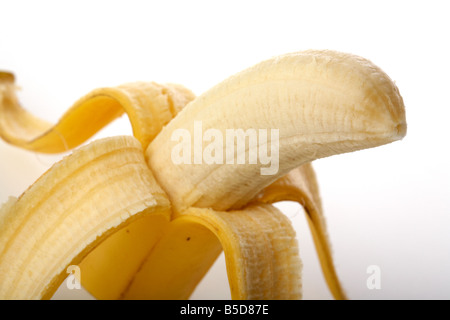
{"x":144,"y":227}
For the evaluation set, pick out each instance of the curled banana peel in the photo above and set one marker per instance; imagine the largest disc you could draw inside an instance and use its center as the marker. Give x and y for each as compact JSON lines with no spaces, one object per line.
{"x":300,"y":185}
{"x":72,"y":208}
{"x":149,"y":106}
{"x":141,"y":226}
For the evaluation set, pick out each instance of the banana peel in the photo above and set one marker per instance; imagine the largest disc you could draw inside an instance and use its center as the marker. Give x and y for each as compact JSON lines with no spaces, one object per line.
{"x":140,"y":226}
{"x":55,"y":223}
{"x":300,"y":185}
{"x":149,"y":106}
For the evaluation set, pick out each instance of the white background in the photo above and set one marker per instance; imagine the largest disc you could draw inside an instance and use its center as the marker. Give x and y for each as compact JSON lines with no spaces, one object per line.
{"x":387,"y":206}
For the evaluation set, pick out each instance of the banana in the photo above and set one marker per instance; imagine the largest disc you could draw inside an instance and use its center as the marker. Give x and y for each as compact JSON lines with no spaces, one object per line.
{"x":156,"y":210}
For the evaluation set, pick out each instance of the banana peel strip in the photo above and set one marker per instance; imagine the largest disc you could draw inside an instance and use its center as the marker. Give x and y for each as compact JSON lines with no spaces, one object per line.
{"x":260,"y":249}
{"x":300,"y":185}
{"x":149,"y":106}
{"x":67,"y":212}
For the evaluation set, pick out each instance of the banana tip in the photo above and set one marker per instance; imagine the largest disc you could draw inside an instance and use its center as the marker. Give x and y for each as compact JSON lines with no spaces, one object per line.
{"x":401,"y":129}
{"x":6,"y":76}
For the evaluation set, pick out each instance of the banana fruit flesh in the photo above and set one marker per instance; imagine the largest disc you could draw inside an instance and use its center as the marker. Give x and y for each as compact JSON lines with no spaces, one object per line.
{"x":323,"y":103}
{"x":143,"y":226}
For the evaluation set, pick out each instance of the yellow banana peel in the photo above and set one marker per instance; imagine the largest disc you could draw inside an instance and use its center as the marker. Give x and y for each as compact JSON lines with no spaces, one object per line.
{"x":142,"y":226}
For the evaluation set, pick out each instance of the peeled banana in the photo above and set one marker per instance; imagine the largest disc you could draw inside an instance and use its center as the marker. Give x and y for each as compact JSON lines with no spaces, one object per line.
{"x":145,"y":217}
